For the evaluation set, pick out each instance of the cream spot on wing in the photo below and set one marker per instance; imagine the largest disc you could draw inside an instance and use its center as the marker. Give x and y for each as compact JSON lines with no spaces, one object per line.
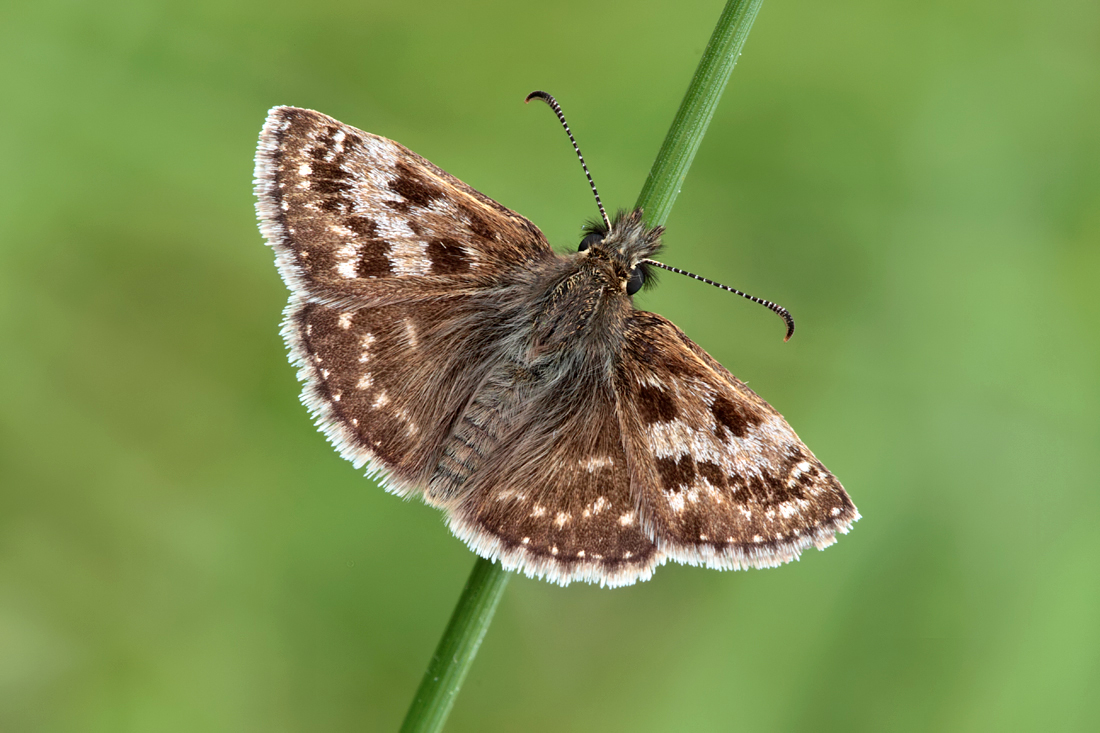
{"x":703,"y":537}
{"x":597,"y":556}
{"x":336,"y":396}
{"x":538,"y":511}
{"x":835,"y":511}
{"x":525,"y":540}
{"x":757,"y":538}
{"x":355,"y":422}
{"x":284,"y":205}
{"x":562,"y":519}
{"x":675,"y":438}
{"x":580,"y":553}
{"x":676,"y":502}
{"x":410,"y":333}
{"x":337,"y":145}
{"x":344,"y":320}
{"x":746,"y":513}
{"x":627,"y":519}
{"x":789,"y":508}
{"x":627,"y":555}
{"x":410,"y":426}
{"x":347,"y":269}
{"x":325,"y":373}
{"x":554,"y":550}
{"x":408,"y":256}
{"x":365,"y":342}
{"x":305,"y":170}
{"x":365,"y":381}
{"x":381,"y":400}
{"x":591,"y":464}
{"x":347,"y":261}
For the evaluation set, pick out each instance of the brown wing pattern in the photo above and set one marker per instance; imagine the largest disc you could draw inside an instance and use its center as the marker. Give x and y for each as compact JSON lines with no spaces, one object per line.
{"x":720,"y":477}
{"x":354,"y":217}
{"x":547,"y":484}
{"x":386,"y":257}
{"x":386,"y":384}
{"x":411,"y":317}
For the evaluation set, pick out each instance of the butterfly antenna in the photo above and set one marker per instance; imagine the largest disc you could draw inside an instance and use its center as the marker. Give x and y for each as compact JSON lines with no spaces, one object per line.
{"x":783,"y":312}
{"x":549,"y":99}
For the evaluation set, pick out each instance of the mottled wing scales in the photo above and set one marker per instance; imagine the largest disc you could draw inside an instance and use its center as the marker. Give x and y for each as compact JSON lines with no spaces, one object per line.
{"x":354,"y":217}
{"x":386,"y":384}
{"x":722,"y":479}
{"x":386,"y":256}
{"x":549,"y":490}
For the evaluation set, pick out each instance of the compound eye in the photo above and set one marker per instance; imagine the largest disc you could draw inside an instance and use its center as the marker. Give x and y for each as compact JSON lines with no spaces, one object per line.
{"x":589,"y":240}
{"x":636,"y":281}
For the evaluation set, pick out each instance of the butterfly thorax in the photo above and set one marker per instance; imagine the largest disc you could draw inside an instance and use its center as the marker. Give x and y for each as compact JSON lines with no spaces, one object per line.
{"x":583,"y":306}
{"x":582,"y":301}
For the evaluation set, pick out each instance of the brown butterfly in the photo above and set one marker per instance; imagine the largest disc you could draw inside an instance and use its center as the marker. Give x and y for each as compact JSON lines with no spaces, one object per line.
{"x":447,"y":347}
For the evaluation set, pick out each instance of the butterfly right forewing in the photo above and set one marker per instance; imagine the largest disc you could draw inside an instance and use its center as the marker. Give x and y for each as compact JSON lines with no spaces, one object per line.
{"x":720,"y":478}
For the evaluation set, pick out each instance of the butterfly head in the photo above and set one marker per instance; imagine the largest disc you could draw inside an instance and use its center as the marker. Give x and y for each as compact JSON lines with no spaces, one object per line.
{"x":625,"y":245}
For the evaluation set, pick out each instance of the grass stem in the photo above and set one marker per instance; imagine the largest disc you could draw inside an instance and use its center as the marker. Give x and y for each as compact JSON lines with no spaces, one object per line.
{"x":479,"y":599}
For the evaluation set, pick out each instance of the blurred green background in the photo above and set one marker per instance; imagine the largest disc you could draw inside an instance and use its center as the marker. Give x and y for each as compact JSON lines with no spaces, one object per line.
{"x":919,"y":183}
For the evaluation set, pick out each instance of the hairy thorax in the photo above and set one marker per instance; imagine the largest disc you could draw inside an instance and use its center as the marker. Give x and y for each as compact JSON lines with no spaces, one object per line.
{"x":583,"y":311}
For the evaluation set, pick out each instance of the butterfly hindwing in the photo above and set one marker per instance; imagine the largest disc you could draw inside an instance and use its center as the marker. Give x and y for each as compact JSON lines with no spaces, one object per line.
{"x":355,"y":217}
{"x":387,"y":383}
{"x":549,"y":490}
{"x":720,"y":477}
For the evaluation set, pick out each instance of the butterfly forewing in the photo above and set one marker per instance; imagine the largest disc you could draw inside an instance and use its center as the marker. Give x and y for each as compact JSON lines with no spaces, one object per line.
{"x":722,"y":480}
{"x":354,"y":215}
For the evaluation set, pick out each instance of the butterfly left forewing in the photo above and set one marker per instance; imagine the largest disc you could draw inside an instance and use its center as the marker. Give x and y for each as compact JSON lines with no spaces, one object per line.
{"x":397,"y":272}
{"x":720,"y":477}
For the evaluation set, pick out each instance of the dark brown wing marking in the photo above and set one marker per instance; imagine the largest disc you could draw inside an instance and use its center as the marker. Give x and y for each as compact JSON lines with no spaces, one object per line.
{"x":352,"y":215}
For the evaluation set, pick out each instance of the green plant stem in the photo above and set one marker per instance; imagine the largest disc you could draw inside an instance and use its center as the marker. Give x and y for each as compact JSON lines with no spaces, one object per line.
{"x":457,"y":648}
{"x":662,"y":186}
{"x":478,"y":602}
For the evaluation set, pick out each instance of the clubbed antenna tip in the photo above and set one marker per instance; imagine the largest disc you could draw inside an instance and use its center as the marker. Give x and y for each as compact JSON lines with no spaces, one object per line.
{"x":549,"y":99}
{"x":783,"y":312}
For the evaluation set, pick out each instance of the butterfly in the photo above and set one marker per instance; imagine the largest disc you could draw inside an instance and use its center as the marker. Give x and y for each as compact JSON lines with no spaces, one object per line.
{"x":445,"y":345}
